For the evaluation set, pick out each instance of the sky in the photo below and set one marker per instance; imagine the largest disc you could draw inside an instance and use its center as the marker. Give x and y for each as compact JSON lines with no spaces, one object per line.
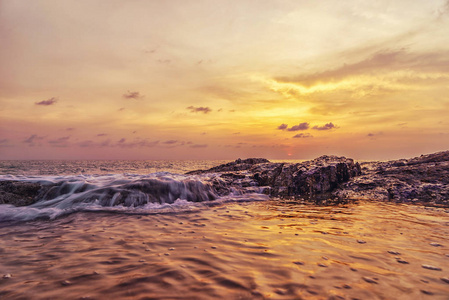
{"x":194,"y":79}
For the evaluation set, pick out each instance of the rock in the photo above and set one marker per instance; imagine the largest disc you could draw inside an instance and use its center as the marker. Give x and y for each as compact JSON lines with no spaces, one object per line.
{"x":7,"y":276}
{"x":324,"y":180}
{"x":419,"y":180}
{"x":393,"y":252}
{"x":19,"y":193}
{"x":312,"y":180}
{"x":445,"y":279}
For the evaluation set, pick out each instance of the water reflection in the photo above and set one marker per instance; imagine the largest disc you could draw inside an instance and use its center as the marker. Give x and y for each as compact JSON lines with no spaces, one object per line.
{"x":254,"y":250}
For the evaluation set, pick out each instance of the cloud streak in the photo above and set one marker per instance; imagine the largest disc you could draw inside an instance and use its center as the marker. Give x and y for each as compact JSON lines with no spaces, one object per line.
{"x":47,"y":102}
{"x":201,"y":109}
{"x":302,"y":136}
{"x":300,"y":126}
{"x":327,"y":126}
{"x":199,"y":146}
{"x":132,"y":95}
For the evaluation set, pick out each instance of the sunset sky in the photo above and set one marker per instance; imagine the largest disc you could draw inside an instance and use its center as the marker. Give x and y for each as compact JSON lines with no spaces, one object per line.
{"x":212,"y":79}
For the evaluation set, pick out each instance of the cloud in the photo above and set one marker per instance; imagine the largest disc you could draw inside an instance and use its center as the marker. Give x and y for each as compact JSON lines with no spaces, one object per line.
{"x":282,"y":126}
{"x":85,"y":144}
{"x":149,"y":144}
{"x":105,"y":143}
{"x":374,"y":135}
{"x":199,"y":146}
{"x":202,"y":109}
{"x":5,"y":143}
{"x":122,"y":143}
{"x":32,"y":139}
{"x":386,"y":60}
{"x":47,"y":102}
{"x":60,"y":142}
{"x":300,"y":126}
{"x":170,"y":142}
{"x":132,"y":95}
{"x":327,"y":126}
{"x":303,"y":136}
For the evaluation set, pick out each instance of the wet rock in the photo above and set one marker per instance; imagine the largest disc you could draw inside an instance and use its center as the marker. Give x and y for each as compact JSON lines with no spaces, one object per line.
{"x":325,"y":180}
{"x":19,"y":193}
{"x":419,"y":180}
{"x":312,"y":180}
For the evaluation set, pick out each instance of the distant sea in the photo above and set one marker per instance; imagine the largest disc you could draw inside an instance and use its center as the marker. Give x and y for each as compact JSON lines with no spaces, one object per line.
{"x":76,"y":167}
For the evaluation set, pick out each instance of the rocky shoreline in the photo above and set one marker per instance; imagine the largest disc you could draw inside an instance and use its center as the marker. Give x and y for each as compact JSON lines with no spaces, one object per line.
{"x":324,"y":180}
{"x":332,"y":179}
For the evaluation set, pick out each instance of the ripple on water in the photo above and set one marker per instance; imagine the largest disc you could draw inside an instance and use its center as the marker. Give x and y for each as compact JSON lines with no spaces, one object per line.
{"x":245,"y":255}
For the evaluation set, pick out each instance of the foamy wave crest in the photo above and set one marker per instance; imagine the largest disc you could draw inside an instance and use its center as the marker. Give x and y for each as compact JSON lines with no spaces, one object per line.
{"x":128,"y":193}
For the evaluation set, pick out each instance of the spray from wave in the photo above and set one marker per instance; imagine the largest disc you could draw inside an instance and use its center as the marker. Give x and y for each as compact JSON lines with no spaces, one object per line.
{"x":128,"y":193}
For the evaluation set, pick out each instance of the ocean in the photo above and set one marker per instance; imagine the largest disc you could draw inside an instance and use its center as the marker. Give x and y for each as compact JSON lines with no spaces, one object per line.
{"x":95,"y":236}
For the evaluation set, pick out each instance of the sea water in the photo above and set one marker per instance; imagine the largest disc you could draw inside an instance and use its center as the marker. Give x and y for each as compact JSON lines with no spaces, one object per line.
{"x":82,"y":243}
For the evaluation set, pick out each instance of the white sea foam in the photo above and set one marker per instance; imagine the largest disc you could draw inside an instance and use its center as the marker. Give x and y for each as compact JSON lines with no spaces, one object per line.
{"x":125,"y":193}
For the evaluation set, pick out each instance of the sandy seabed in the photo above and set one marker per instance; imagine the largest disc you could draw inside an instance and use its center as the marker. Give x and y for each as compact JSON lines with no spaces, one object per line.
{"x":249,"y":250}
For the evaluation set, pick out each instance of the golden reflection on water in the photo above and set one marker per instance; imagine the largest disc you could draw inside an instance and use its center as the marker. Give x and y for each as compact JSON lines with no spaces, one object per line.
{"x":254,"y":250}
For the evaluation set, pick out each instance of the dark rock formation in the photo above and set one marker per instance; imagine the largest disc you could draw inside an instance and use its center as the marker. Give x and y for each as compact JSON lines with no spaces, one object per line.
{"x":327,"y":179}
{"x":19,"y":193}
{"x":423,"y":180}
{"x":238,"y":165}
{"x":314,"y":179}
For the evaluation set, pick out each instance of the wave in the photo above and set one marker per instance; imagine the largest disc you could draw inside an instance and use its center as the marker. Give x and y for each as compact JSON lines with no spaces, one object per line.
{"x":127,"y":193}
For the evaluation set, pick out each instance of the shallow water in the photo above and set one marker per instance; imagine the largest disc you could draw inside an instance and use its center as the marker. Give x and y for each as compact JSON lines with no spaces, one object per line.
{"x":244,"y":250}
